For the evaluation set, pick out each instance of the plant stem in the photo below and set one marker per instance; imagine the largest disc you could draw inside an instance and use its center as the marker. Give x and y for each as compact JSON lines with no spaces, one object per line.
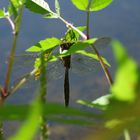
{"x":15,"y":28}
{"x":127,"y":135}
{"x":69,"y":25}
{"x":1,"y":131}
{"x":104,"y":67}
{"x":11,"y":24}
{"x":88,"y":24}
{"x":10,"y":64}
{"x":43,"y":90}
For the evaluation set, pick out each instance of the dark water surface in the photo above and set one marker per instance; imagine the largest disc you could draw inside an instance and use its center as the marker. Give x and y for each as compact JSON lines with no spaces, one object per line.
{"x":120,"y":20}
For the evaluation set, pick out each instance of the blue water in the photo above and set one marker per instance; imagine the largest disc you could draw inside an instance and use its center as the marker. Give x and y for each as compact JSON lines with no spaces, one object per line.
{"x":120,"y":20}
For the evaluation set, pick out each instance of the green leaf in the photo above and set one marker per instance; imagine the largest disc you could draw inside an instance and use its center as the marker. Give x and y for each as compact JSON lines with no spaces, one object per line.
{"x":72,"y":35}
{"x":80,"y":46}
{"x":57,"y":7}
{"x":2,"y":15}
{"x":126,"y":79}
{"x":44,"y":45}
{"x":31,"y":125}
{"x":97,"y":5}
{"x":91,"y":5}
{"x":38,"y":6}
{"x":101,"y":102}
{"x":17,"y":3}
{"x":52,"y":111}
{"x":14,"y":7}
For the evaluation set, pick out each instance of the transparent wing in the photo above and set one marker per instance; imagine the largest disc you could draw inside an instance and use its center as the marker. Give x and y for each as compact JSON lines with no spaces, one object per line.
{"x":55,"y":70}
{"x":102,"y":43}
{"x":24,"y":64}
{"x":81,"y":64}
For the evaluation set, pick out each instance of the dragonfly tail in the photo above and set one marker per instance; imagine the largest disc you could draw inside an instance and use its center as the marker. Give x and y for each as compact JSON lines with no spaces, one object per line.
{"x":66,"y":87}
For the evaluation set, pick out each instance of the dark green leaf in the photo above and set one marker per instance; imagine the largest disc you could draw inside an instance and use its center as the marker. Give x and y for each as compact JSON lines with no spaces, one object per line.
{"x":72,"y":35}
{"x":38,"y":6}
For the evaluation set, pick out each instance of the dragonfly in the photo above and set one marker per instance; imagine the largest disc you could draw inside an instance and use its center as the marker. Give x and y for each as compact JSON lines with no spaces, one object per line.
{"x":78,"y":63}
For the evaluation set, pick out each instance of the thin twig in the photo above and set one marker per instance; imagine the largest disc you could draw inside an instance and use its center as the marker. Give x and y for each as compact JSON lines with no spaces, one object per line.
{"x":69,"y":25}
{"x":22,"y":81}
{"x":11,"y":24}
{"x":104,"y":67}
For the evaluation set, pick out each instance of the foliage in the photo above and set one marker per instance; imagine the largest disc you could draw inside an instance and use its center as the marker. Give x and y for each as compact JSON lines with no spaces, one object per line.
{"x":121,"y":106}
{"x":91,"y":5}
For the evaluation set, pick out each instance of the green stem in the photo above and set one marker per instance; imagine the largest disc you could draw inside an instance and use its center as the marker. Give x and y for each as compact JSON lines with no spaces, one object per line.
{"x":1,"y":132}
{"x":127,"y":135}
{"x":88,"y":24}
{"x":16,"y":28}
{"x":43,"y":92}
{"x":10,"y":64}
{"x":104,"y":67}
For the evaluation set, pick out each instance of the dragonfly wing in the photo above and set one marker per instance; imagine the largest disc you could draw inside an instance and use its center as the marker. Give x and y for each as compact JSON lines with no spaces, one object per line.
{"x":23,"y":65}
{"x":102,"y":42}
{"x":55,"y":70}
{"x":82,"y":64}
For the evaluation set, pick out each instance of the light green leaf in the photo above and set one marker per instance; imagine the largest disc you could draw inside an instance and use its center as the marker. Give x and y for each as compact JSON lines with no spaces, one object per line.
{"x":91,"y":5}
{"x":14,"y":6}
{"x":38,"y":6}
{"x":57,"y":7}
{"x":17,"y":3}
{"x":31,"y":125}
{"x":126,"y":80}
{"x":97,"y":5}
{"x":44,"y":45}
{"x":94,"y":56}
{"x":101,"y":102}
{"x":2,"y":15}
